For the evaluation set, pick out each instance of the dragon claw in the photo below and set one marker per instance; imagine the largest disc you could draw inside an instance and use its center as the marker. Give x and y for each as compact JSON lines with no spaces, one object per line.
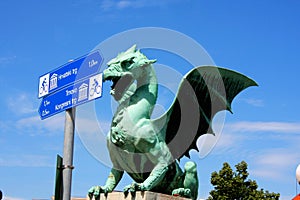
{"x":132,"y":188}
{"x":184,"y":192}
{"x":95,"y":191}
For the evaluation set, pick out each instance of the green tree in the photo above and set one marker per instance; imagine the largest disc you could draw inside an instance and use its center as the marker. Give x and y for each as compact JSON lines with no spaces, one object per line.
{"x":229,"y":185}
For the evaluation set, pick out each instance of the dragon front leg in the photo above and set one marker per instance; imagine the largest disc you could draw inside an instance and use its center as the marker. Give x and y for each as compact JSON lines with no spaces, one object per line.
{"x":157,"y":152}
{"x":111,"y":182}
{"x":154,"y":149}
{"x":155,"y":177}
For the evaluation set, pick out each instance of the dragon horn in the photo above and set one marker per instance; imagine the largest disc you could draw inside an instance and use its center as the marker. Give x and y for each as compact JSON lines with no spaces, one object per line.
{"x":131,"y":49}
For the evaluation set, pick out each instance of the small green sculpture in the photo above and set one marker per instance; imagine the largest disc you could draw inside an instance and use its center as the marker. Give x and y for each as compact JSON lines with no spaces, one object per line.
{"x":149,"y":150}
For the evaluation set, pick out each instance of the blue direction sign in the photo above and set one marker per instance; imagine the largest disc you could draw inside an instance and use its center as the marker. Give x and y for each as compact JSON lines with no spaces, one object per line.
{"x":71,"y":72}
{"x":73,"y":95}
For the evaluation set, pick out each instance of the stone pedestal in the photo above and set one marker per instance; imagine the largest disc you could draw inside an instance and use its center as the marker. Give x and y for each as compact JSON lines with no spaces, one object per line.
{"x":147,"y":195}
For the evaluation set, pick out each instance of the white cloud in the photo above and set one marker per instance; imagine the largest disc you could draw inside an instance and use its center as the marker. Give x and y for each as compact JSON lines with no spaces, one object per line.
{"x":237,"y":138}
{"x":259,"y":126}
{"x":22,"y":103}
{"x":274,"y":163}
{"x":91,"y":126}
{"x":278,"y":157}
{"x":4,"y":125}
{"x":12,"y":198}
{"x":254,"y":102}
{"x":35,"y":126}
{"x":93,"y":137}
{"x":7,"y":59}
{"x":262,"y":146}
{"x":25,"y":161}
{"x":287,"y":197}
{"x":107,"y":4}
{"x":228,"y":140}
{"x":123,"y":4}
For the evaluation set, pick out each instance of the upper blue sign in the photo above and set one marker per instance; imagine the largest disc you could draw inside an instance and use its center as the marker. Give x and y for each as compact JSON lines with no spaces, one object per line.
{"x":73,"y":95}
{"x":71,"y":72}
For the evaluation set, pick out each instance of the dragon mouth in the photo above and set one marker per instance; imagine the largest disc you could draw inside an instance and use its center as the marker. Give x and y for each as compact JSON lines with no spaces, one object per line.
{"x":114,"y":81}
{"x":113,"y":86}
{"x":120,"y":85}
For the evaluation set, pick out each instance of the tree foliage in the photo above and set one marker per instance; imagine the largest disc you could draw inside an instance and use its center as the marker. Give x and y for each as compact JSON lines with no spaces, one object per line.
{"x":229,"y":185}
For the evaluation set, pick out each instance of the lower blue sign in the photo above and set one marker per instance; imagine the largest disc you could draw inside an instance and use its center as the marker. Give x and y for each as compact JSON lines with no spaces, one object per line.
{"x":74,"y":95}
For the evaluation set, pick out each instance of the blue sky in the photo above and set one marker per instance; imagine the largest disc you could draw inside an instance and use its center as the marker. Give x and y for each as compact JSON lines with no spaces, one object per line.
{"x":257,"y":38}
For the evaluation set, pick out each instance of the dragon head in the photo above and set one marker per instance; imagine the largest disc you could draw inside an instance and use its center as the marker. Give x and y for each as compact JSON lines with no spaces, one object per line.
{"x":124,"y":70}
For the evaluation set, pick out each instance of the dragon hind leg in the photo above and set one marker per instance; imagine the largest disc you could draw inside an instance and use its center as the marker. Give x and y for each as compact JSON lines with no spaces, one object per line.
{"x":190,"y":183}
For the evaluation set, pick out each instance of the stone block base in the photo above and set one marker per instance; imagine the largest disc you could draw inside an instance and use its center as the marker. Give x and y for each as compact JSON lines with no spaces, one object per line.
{"x":146,"y":195}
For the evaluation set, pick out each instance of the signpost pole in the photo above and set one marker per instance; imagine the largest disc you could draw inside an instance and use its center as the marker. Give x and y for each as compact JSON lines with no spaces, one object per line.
{"x":58,"y":179}
{"x":68,"y":152}
{"x":64,"y":88}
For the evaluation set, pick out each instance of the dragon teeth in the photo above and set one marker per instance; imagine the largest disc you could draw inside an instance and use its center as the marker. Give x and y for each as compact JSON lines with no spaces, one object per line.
{"x":112,"y":92}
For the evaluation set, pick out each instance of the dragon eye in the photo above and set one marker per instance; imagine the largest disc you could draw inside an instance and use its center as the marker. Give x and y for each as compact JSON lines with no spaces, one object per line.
{"x":126,"y":63}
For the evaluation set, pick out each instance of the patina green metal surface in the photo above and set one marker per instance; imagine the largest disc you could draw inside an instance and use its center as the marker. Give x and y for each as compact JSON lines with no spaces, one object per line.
{"x":149,"y":150}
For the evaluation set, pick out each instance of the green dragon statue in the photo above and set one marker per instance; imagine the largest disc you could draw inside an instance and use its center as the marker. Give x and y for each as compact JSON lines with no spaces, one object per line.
{"x":149,"y":149}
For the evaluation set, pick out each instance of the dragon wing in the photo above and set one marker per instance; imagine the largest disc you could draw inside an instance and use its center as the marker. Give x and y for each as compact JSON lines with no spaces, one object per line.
{"x":203,"y":92}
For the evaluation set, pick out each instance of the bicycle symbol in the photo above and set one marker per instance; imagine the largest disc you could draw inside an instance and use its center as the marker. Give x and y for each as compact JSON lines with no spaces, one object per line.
{"x":44,"y":87}
{"x":96,"y":88}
